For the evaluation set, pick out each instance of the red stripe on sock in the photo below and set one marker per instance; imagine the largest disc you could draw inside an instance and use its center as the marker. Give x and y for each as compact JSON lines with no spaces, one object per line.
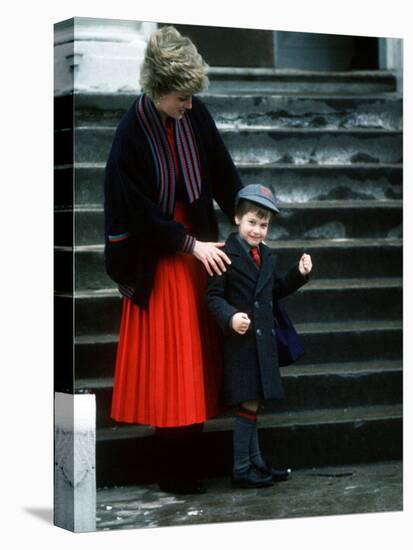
{"x":247,"y":414}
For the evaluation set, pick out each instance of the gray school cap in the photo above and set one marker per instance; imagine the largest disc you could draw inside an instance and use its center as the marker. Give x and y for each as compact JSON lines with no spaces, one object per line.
{"x":259,"y":194}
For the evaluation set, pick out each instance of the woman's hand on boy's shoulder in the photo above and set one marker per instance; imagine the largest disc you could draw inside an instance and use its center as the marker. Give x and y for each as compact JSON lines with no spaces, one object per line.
{"x":211,"y":255}
{"x":305,"y":265}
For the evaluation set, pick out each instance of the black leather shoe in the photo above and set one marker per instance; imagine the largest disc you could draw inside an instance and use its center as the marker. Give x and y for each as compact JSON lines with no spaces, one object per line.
{"x":277,"y":474}
{"x":251,"y":479}
{"x":182,"y":486}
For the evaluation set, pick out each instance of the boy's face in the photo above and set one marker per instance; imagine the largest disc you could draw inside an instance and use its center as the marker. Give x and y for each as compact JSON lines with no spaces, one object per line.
{"x":252,"y":228}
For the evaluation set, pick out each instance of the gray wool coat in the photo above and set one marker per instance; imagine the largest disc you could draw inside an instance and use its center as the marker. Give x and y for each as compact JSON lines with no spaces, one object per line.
{"x":251,"y":369}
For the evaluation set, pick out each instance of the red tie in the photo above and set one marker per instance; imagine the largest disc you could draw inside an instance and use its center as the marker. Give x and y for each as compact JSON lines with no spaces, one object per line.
{"x":255,"y":253}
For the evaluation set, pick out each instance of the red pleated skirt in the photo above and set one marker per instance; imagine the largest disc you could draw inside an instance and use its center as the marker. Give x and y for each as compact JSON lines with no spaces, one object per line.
{"x":168,"y":366}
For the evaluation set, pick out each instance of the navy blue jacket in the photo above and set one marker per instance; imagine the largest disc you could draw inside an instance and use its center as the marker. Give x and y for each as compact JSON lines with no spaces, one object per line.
{"x":131,"y":204}
{"x":251,"y":369}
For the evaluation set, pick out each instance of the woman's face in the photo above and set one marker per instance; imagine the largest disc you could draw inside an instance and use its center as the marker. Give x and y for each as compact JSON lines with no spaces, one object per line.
{"x":173,"y":104}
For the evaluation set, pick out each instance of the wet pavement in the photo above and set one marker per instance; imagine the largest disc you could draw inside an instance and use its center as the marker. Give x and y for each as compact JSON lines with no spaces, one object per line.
{"x":314,"y":492}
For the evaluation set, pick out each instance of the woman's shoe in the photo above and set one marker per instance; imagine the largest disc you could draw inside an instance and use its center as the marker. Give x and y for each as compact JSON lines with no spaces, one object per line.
{"x":252,"y":478}
{"x":182,"y":486}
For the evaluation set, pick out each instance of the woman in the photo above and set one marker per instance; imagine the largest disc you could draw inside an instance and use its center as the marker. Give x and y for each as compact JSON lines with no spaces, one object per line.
{"x":166,"y":165}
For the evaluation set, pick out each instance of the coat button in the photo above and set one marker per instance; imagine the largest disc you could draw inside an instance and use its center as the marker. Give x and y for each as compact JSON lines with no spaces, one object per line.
{"x":256,"y":304}
{"x":259,"y":332}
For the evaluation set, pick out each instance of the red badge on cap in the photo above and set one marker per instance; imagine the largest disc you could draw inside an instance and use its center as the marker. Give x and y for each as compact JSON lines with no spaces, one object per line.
{"x":265,"y":191}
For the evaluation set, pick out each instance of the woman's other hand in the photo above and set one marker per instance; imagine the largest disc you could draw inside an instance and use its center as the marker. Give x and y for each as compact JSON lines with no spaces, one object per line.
{"x":240,"y":322}
{"x":211,"y":256}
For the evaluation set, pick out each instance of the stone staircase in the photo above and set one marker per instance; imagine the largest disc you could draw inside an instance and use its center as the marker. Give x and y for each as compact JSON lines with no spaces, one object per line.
{"x":330,"y":146}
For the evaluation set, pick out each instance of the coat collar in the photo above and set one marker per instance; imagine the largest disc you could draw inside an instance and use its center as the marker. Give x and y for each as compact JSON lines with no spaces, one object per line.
{"x":241,"y":262}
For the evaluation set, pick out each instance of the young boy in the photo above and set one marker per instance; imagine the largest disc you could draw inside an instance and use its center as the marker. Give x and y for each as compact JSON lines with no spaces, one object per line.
{"x":242,"y":301}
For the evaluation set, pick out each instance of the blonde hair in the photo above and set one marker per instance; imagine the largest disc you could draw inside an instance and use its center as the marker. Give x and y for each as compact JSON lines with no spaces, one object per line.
{"x":172,"y":63}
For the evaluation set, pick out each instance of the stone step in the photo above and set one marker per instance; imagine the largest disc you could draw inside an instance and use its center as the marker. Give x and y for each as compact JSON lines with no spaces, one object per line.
{"x":262,"y":145}
{"x":303,"y":183}
{"x":280,"y":111}
{"x":98,"y":312}
{"x":313,"y":220}
{"x":125,"y":454}
{"x":307,"y":388}
{"x":328,"y":112}
{"x":347,"y":300}
{"x":333,"y":258}
{"x":332,"y":342}
{"x":268,"y":81}
{"x":303,"y":146}
{"x":343,"y":258}
{"x":290,"y":183}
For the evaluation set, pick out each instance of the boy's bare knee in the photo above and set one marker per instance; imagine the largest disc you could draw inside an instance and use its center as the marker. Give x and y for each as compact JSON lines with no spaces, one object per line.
{"x":251,"y":405}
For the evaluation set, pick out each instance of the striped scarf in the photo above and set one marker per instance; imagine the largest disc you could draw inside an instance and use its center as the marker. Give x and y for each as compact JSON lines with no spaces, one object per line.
{"x":155,"y":133}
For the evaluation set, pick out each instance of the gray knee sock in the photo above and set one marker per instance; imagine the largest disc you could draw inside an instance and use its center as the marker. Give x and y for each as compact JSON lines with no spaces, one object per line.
{"x":244,"y":426}
{"x":255,"y":452}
